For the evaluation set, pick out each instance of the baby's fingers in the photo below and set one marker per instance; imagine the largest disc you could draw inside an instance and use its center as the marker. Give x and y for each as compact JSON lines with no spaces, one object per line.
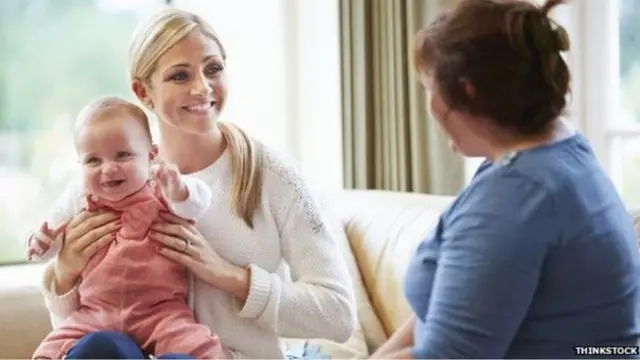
{"x":58,"y":229}
{"x":44,"y":229}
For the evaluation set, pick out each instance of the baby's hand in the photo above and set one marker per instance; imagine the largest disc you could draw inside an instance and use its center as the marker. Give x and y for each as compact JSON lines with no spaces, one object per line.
{"x":170,"y":180}
{"x":41,"y":241}
{"x":52,"y":233}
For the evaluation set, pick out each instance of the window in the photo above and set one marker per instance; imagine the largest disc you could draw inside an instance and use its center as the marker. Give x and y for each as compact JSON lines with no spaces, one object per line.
{"x":55,"y":55}
{"x":624,"y":133}
{"x":606,"y":70}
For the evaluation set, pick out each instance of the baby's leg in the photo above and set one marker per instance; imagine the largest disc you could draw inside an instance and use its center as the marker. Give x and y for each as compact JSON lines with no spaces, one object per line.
{"x":62,"y":339}
{"x":105,"y":345}
{"x":175,"y":330}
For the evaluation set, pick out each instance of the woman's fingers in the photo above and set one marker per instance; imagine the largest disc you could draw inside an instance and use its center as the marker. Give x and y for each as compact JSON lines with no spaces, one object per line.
{"x":173,"y":242}
{"x":177,"y":230}
{"x":93,"y":248}
{"x":87,"y":221}
{"x":172,"y":218}
{"x":93,"y":235}
{"x":82,"y":216}
{"x":178,"y":257}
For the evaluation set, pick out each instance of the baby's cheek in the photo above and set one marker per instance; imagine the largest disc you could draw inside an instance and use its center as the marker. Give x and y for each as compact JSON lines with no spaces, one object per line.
{"x":91,"y":181}
{"x":138,"y":171}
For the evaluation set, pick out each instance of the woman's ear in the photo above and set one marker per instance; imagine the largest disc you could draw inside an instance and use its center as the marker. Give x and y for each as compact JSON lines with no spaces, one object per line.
{"x":141,"y":92}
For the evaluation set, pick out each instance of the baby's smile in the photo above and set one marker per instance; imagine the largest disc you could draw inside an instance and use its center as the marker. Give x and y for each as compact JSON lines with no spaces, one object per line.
{"x":112,"y":184}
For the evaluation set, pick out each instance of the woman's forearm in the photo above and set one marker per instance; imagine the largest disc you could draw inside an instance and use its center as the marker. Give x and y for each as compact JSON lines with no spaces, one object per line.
{"x":236,"y":281}
{"x":400,"y":340}
{"x":62,"y":282}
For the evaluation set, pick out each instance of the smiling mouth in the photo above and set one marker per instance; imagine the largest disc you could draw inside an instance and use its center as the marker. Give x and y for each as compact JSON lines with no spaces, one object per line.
{"x":112,"y":184}
{"x":200,"y":109}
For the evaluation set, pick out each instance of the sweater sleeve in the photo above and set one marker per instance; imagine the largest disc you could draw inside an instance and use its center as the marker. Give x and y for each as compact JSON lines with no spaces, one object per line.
{"x":59,"y":306}
{"x":198,"y":201}
{"x":494,"y":242}
{"x":319,"y":302}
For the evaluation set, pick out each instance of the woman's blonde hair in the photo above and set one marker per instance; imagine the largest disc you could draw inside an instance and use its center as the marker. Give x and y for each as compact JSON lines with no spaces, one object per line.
{"x":154,"y":38}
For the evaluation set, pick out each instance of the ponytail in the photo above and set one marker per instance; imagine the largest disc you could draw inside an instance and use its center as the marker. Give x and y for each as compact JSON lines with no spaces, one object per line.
{"x":247,"y":160}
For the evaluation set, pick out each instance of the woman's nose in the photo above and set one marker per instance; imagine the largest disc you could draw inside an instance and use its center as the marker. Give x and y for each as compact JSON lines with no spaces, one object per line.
{"x":202,"y":86}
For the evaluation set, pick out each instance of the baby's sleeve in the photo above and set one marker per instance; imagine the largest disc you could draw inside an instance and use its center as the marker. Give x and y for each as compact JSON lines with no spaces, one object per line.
{"x":43,"y":242}
{"x":197,"y":202}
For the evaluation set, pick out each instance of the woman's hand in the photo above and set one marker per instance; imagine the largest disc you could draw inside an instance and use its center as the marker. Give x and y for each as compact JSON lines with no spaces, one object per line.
{"x":399,"y":344}
{"x":84,"y":235}
{"x":183,"y":243}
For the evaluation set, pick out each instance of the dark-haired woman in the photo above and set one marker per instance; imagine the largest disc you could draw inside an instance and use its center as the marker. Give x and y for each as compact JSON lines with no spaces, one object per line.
{"x":537,"y":256}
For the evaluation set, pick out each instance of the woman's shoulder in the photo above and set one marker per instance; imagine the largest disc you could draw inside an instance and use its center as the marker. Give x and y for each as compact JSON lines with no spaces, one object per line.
{"x":506,"y":186}
{"x":280,"y":168}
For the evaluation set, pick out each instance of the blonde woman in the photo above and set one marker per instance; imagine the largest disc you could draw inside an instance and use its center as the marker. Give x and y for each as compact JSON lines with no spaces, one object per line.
{"x":261,"y":216}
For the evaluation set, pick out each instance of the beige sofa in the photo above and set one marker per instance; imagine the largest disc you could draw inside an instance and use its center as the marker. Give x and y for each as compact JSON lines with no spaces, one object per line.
{"x":378,"y":232}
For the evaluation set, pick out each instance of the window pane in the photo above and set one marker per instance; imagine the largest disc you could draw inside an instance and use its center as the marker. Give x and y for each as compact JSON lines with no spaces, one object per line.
{"x":625,"y":151}
{"x":629,"y":11}
{"x":55,"y":55}
{"x":625,"y":168}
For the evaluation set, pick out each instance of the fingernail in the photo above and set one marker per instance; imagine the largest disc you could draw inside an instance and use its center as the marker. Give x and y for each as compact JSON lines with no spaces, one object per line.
{"x":158,"y":248}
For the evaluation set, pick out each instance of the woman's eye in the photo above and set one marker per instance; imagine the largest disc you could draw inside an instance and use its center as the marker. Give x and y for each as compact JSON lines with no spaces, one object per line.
{"x":181,"y":76}
{"x":213,"y":70}
{"x":123,"y":154}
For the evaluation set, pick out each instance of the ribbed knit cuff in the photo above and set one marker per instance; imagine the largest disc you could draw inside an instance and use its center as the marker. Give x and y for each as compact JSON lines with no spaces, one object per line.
{"x":60,"y":305}
{"x":259,"y":292}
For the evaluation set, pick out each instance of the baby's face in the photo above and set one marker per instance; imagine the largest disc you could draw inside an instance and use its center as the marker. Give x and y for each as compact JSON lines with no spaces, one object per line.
{"x":115,"y":155}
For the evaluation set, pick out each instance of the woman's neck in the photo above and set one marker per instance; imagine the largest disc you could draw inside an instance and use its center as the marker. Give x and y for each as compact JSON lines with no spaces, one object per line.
{"x":191,"y":152}
{"x":558,"y":131}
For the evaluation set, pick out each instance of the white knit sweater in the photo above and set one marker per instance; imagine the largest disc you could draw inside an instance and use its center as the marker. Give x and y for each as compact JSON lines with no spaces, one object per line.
{"x":300,"y":286}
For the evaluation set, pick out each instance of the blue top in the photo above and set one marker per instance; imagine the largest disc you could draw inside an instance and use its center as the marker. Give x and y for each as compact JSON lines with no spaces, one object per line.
{"x":537,"y":255}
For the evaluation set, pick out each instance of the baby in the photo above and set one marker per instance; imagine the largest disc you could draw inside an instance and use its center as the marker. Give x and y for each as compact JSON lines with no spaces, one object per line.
{"x":127,"y":286}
